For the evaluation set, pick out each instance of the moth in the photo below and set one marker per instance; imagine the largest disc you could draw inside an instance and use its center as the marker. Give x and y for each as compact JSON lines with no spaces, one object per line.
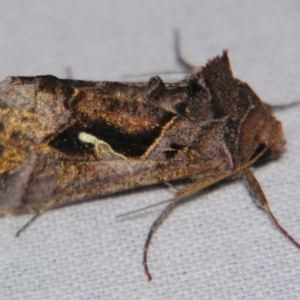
{"x":64,"y":141}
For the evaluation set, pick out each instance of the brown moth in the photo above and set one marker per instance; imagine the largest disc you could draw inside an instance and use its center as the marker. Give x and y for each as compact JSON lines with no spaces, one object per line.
{"x":64,"y":141}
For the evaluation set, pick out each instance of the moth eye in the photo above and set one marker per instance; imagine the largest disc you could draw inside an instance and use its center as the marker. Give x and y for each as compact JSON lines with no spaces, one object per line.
{"x":181,"y":108}
{"x":258,"y":149}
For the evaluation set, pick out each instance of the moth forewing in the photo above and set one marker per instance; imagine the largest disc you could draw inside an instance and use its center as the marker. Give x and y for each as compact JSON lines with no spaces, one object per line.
{"x":66,"y":141}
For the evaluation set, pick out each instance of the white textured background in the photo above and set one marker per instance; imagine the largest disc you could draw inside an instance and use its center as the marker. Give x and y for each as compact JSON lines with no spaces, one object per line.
{"x":219,"y":246}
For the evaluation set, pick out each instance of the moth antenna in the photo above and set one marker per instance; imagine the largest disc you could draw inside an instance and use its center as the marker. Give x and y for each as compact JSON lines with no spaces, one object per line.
{"x":143,"y":208}
{"x":68,"y":72}
{"x":23,"y":228}
{"x":154,"y":73}
{"x":283,"y":106}
{"x":188,"y":67}
{"x":261,"y":200}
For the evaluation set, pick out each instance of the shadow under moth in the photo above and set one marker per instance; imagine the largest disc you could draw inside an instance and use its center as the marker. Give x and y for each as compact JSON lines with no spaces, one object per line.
{"x":63,"y":141}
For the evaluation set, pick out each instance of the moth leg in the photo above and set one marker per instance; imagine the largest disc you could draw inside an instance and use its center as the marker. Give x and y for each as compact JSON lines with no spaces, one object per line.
{"x":36,"y":215}
{"x":170,"y":185}
{"x":188,"y":190}
{"x":150,"y":234}
{"x":179,"y":56}
{"x":260,"y":199}
{"x":26,"y":225}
